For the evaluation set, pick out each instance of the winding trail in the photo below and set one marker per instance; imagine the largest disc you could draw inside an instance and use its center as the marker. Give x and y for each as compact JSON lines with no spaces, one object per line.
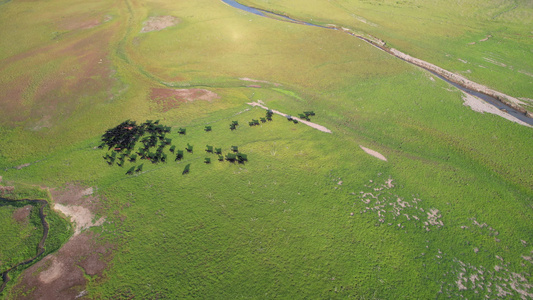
{"x":513,"y":105}
{"x":310,"y":124}
{"x":40,"y":246}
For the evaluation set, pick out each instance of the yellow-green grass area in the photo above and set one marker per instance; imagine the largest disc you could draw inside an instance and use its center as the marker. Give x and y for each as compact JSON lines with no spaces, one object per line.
{"x":20,"y":238}
{"x":56,"y":72}
{"x":281,"y":225}
{"x":215,"y":47}
{"x":440,"y":32}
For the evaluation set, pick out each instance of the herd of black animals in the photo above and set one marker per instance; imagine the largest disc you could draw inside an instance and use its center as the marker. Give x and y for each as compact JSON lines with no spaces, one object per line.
{"x":121,"y":140}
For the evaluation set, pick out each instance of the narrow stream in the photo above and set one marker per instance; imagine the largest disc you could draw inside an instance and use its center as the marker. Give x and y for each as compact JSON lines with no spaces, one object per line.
{"x":40,"y":246}
{"x":488,"y":99}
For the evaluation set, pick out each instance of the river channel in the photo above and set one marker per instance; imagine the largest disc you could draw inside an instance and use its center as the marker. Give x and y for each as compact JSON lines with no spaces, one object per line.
{"x":487,"y":98}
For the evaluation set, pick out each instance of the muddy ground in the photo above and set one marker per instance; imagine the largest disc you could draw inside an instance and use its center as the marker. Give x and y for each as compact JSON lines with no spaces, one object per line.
{"x":159,"y":23}
{"x":22,"y":214}
{"x":63,"y":275}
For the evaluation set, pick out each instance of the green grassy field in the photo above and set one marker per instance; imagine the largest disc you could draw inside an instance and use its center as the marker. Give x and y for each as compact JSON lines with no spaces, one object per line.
{"x":485,"y":41}
{"x":310,"y":215}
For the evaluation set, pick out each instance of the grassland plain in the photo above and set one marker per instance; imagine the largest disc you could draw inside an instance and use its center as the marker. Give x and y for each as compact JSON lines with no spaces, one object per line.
{"x":486,"y":41}
{"x":310,"y":215}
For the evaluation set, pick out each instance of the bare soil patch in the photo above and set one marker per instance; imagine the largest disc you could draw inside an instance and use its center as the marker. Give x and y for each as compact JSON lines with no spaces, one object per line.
{"x":374,"y":153}
{"x":159,"y":23}
{"x":62,"y":275}
{"x":6,"y":190}
{"x":77,"y":202}
{"x":22,"y":214}
{"x":74,"y":194}
{"x":259,"y":81}
{"x":168,"y":99}
{"x":310,"y":124}
{"x":11,"y":106}
{"x":81,"y":216}
{"x":483,"y":107}
{"x":76,"y":23}
{"x":486,"y":38}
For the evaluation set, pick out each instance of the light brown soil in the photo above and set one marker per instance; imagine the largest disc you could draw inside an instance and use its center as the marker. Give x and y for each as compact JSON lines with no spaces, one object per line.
{"x":310,"y":124}
{"x":22,"y":166}
{"x":11,"y":106}
{"x":80,"y":24}
{"x":21,"y":215}
{"x":168,"y":99}
{"x":486,"y":38}
{"x":61,"y":275}
{"x":259,"y":81}
{"x":75,"y":194}
{"x":159,"y":23}
{"x":77,"y":202}
{"x":81,"y":216}
{"x":483,"y":107}
{"x":374,"y":153}
{"x":4,"y":190}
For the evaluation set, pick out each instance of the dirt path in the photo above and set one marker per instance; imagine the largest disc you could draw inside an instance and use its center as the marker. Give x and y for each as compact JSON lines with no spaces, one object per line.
{"x":310,"y":124}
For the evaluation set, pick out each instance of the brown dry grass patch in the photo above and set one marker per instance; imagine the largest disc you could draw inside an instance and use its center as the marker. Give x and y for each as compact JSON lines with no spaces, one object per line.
{"x":159,"y":23}
{"x":22,"y":214}
{"x":167,"y":99}
{"x":62,"y":275}
{"x":46,"y":89}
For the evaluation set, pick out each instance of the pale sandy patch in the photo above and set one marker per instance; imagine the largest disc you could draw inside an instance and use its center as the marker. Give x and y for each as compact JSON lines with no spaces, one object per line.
{"x":159,"y":23}
{"x":486,"y":38}
{"x":374,"y":153}
{"x":495,"y":62}
{"x":87,"y":192}
{"x":82,"y":216}
{"x":481,"y":106}
{"x":310,"y":124}
{"x":53,"y":272}
{"x":259,"y":81}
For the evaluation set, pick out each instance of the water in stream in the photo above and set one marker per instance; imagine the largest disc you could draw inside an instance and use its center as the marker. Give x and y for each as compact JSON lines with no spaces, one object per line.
{"x":488,"y":99}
